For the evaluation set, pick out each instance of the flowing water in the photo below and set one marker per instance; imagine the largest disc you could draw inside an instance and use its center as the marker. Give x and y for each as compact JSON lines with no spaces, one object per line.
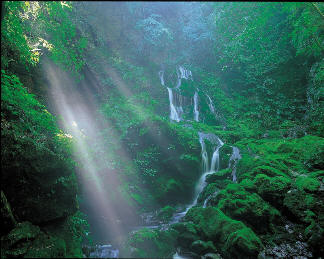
{"x":210,"y":104}
{"x":205,"y":165}
{"x":176,"y":111}
{"x":235,"y":157}
{"x":196,"y":112}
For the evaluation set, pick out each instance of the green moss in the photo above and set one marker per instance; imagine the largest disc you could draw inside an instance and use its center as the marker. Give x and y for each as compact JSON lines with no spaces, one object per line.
{"x":200,"y":247}
{"x":272,"y":189}
{"x":166,"y":213}
{"x":227,"y":234}
{"x":250,"y":208}
{"x":207,"y":191}
{"x":307,"y":184}
{"x":298,"y":202}
{"x":220,"y":175}
{"x":152,"y":243}
{"x":187,"y":233}
{"x":47,"y":247}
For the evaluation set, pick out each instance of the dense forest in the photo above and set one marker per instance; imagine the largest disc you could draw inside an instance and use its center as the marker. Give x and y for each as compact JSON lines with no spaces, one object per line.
{"x":162,"y":129}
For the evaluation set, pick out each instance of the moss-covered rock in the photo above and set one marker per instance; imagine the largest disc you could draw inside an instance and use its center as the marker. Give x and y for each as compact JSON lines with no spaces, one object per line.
{"x":272,"y":189}
{"x":225,"y":153}
{"x":201,"y":247}
{"x":187,"y":233}
{"x":307,"y":184}
{"x":232,"y":238}
{"x":221,"y":175}
{"x":147,"y":243}
{"x":45,"y":246}
{"x":166,"y":213}
{"x":250,"y":208}
{"x":298,"y":202}
{"x":17,"y":242}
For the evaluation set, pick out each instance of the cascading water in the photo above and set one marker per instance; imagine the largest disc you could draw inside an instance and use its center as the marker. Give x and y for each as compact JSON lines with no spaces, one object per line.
{"x":215,"y":159}
{"x":209,"y":197}
{"x":176,"y":100}
{"x":235,"y":157}
{"x":161,"y":75}
{"x":196,"y":112}
{"x":210,"y":104}
{"x":202,"y":180}
{"x":174,"y":111}
{"x":204,"y":154}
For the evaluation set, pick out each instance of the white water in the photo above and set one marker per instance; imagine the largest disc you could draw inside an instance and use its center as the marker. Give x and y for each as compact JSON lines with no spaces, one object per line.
{"x":104,"y":251}
{"x":209,"y":197}
{"x":196,"y":112}
{"x":215,"y":159}
{"x":184,"y":73}
{"x":202,"y":180}
{"x":174,"y":110}
{"x":235,"y":157}
{"x":204,"y":154}
{"x":211,"y":105}
{"x":161,"y":75}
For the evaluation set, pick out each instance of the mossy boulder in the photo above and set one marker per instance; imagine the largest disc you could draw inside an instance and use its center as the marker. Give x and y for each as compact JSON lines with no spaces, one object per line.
{"x":298,"y":202}
{"x":201,"y":247}
{"x":232,"y":238}
{"x":272,"y":189}
{"x":221,"y":175}
{"x":27,"y":240}
{"x":210,"y":190}
{"x":45,"y":246}
{"x":307,"y":184}
{"x":17,"y":242}
{"x":147,"y":243}
{"x":225,"y":153}
{"x":166,"y":213}
{"x":187,"y":233}
{"x":248,"y":207}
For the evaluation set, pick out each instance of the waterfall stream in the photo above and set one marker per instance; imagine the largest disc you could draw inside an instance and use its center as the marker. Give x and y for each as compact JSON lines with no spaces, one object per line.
{"x":196,"y":112}
{"x":175,"y":112}
{"x":214,"y":167}
{"x":235,"y":157}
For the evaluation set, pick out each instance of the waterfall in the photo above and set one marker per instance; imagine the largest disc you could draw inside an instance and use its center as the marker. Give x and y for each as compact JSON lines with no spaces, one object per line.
{"x":161,"y":75}
{"x":196,"y":112}
{"x":184,"y":73}
{"x":204,"y":154}
{"x":174,"y":111}
{"x":235,"y":157}
{"x":215,"y":159}
{"x":210,"y":104}
{"x":202,"y":180}
{"x":213,"y":195}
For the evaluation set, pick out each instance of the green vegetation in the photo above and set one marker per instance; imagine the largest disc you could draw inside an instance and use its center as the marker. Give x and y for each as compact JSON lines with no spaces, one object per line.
{"x":87,"y":139}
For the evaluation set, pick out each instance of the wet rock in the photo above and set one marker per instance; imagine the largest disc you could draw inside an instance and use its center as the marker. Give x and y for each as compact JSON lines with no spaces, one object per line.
{"x":287,"y":250}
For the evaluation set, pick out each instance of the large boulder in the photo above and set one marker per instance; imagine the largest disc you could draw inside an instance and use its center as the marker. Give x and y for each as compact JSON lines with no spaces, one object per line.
{"x":232,"y":238}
